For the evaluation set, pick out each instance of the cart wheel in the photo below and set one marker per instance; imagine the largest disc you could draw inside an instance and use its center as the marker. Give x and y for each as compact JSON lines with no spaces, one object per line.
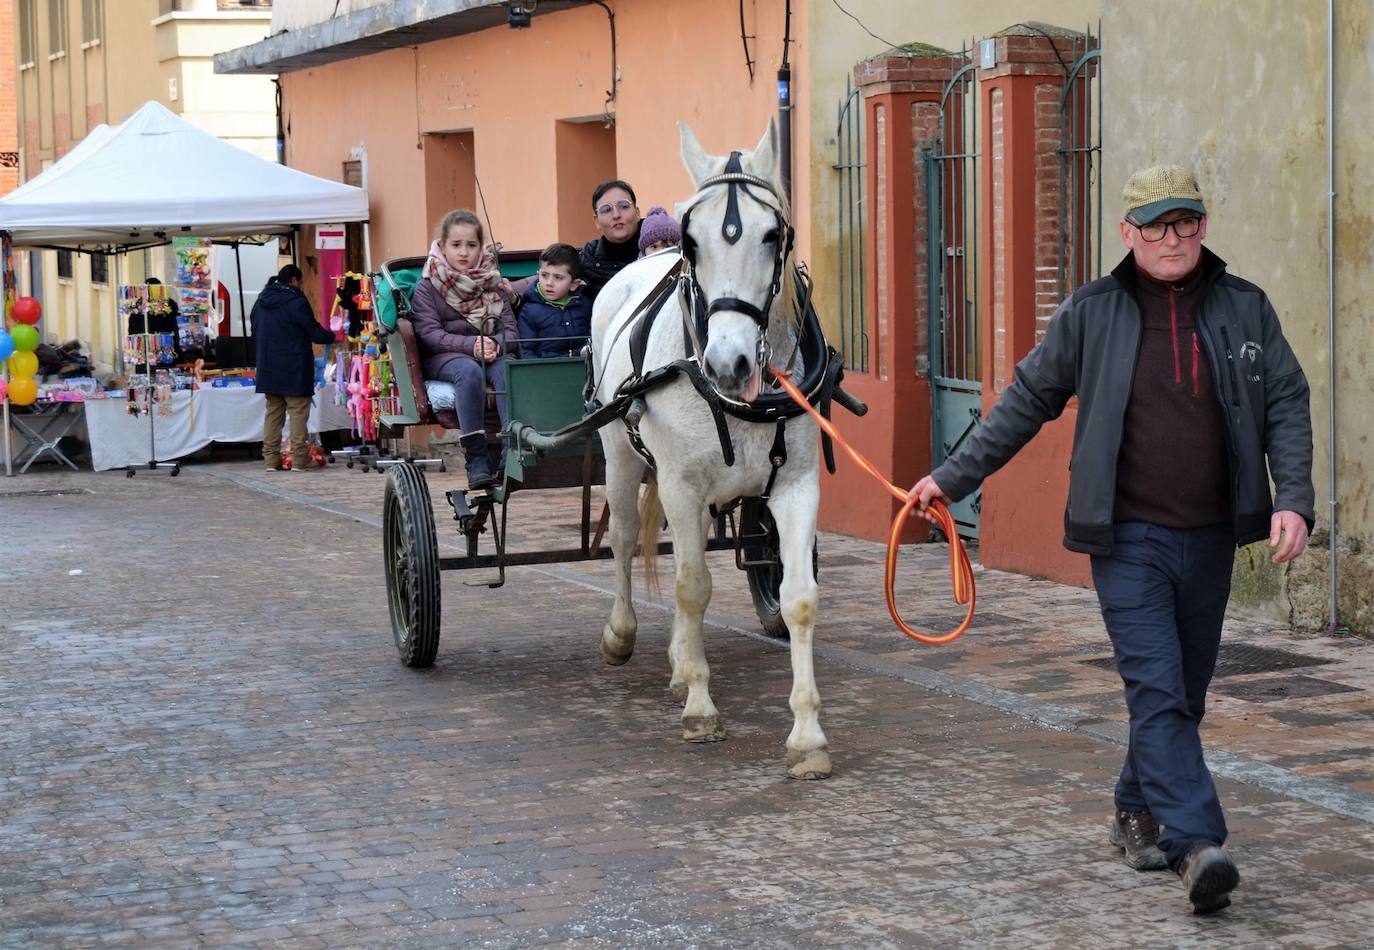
{"x":350,"y":463}
{"x":765,"y":583}
{"x":411,"y":555}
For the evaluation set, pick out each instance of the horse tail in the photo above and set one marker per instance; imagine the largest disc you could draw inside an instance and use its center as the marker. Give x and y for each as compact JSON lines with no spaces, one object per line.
{"x":650,"y":527}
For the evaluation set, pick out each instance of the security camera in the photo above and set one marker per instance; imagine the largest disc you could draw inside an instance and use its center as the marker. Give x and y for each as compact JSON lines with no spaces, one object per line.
{"x":518,"y":18}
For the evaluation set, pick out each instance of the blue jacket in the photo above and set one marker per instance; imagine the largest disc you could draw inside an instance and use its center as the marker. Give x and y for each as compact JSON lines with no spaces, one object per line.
{"x":284,"y":327}
{"x":542,"y":324}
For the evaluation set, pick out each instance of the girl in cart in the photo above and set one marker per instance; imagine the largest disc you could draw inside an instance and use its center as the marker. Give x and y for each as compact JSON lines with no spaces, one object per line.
{"x":466,"y":329}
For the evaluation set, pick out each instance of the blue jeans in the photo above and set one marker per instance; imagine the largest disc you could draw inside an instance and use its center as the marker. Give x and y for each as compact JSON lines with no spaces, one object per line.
{"x":1163,"y":594}
{"x":470,"y":390}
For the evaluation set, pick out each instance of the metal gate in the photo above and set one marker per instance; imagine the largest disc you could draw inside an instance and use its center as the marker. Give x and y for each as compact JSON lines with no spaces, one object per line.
{"x":849,"y":164}
{"x":1080,"y":167}
{"x":951,"y":171}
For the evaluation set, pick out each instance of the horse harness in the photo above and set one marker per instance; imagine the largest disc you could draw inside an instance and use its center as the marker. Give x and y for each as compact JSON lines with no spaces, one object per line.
{"x":822,"y":371}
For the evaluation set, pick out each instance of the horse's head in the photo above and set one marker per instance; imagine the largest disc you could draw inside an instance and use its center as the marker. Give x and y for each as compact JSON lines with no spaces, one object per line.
{"x":736,"y":246}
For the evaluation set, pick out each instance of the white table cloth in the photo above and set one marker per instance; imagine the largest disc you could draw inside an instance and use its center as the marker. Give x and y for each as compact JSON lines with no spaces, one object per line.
{"x":197,"y":418}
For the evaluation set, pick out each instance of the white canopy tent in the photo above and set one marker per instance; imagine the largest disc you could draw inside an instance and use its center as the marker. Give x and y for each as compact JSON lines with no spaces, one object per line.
{"x":156,"y":177}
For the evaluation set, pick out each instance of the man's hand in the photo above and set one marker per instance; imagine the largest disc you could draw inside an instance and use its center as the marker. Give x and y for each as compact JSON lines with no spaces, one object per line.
{"x":1288,"y":533}
{"x":926,"y":491}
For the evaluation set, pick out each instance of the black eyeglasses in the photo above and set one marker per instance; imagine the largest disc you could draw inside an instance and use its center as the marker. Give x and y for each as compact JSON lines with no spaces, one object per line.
{"x":1183,"y":228}
{"x":622,"y":206}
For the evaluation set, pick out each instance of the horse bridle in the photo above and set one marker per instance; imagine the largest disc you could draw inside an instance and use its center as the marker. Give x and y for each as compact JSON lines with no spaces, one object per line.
{"x":699,"y":308}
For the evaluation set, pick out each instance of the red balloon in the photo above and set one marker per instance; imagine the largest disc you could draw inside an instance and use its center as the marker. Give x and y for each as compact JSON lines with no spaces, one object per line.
{"x":27,"y":310}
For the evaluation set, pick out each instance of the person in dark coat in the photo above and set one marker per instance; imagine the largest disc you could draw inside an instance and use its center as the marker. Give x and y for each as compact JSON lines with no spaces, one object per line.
{"x":555,"y":317}
{"x":616,"y":213}
{"x":284,"y":328}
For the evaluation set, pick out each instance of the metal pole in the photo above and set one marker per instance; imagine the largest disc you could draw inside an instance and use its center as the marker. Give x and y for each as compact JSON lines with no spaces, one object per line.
{"x":9,"y":461}
{"x":243,"y":312}
{"x":1333,"y":622}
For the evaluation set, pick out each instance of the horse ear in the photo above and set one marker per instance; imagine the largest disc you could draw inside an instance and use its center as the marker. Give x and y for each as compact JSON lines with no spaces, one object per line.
{"x":694,"y":157}
{"x":764,"y":158}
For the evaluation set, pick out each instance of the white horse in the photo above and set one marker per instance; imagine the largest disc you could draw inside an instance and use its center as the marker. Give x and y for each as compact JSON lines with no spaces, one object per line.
{"x":736,"y":241}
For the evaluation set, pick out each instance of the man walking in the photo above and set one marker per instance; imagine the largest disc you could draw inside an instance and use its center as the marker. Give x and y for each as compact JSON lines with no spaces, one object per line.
{"x":1190,"y":399}
{"x":284,"y":327}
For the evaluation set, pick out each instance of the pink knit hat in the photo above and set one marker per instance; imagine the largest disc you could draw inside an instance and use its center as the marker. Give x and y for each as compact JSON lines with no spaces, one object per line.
{"x":658,"y":225}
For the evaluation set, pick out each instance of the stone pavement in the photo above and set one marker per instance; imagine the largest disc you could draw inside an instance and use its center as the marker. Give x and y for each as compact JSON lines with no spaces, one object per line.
{"x":209,"y":742}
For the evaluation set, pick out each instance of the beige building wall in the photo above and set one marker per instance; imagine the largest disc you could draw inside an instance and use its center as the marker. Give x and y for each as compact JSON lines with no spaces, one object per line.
{"x":74,"y":84}
{"x":839,"y":43}
{"x":1251,"y":118}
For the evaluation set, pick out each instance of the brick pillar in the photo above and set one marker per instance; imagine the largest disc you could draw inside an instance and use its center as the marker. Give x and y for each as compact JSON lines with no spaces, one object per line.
{"x":1021,"y":525}
{"x":901,"y":97}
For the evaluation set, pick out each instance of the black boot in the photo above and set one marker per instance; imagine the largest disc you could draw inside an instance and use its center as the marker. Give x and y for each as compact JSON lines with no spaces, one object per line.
{"x":478,"y":462}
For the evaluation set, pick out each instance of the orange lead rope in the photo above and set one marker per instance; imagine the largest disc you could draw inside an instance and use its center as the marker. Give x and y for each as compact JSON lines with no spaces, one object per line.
{"x":961,"y":571}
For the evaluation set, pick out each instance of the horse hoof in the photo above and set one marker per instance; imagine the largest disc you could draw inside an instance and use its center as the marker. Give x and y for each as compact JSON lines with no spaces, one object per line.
{"x":808,"y":765}
{"x":702,"y":729}
{"x":677,"y":692}
{"x":613,"y":649}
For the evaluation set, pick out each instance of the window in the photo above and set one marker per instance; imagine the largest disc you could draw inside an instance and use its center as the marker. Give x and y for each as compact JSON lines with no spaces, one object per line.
{"x":100,"y":269}
{"x":92,"y":21}
{"x":28,"y":32}
{"x":64,"y":265}
{"x":57,"y":26}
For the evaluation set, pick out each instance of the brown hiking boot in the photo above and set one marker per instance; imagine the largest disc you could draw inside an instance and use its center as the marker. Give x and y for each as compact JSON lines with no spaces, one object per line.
{"x":306,"y":466}
{"x":1137,"y":834}
{"x":1210,"y":876}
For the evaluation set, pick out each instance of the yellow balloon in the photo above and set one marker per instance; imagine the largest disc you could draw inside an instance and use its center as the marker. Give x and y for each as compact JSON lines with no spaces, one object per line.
{"x":23,"y":364}
{"x":23,"y":391}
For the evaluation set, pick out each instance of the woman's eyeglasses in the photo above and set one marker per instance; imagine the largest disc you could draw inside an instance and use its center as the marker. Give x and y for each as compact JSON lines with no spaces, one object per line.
{"x":622,"y":206}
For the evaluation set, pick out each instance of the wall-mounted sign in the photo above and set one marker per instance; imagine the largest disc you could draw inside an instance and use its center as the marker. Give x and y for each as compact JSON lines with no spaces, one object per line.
{"x":329,"y":237}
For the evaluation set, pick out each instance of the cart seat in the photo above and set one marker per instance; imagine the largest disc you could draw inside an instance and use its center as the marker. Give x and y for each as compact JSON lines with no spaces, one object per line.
{"x":447,"y":418}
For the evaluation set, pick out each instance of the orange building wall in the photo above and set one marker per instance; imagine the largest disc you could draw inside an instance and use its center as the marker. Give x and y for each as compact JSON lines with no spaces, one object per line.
{"x":9,"y":105}
{"x":678,"y":59}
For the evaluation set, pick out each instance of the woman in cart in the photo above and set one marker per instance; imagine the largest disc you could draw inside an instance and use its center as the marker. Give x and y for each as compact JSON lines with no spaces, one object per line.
{"x":466,"y":328}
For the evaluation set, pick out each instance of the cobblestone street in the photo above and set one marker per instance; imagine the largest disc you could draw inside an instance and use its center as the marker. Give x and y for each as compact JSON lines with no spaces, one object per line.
{"x":209,"y":741}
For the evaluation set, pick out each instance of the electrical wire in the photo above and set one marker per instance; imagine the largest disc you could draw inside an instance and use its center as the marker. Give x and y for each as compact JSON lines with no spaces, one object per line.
{"x":864,"y":27}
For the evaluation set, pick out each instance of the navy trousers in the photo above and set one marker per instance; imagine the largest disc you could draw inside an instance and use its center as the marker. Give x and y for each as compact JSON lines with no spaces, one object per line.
{"x":470,"y":380}
{"x":1163,"y":594}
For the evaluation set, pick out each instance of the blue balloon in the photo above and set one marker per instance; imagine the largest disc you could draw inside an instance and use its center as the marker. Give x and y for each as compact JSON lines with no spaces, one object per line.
{"x":6,"y":345}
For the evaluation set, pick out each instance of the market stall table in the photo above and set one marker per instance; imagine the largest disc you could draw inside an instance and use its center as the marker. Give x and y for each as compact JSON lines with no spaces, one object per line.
{"x":42,"y":427}
{"x":195,"y":419}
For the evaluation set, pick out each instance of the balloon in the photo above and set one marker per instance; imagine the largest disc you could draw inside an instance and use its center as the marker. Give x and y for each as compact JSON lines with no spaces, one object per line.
{"x":6,"y":345}
{"x":27,"y":310}
{"x":22,"y":365}
{"x":23,"y":391}
{"x":25,"y":338}
{"x":4,"y":388}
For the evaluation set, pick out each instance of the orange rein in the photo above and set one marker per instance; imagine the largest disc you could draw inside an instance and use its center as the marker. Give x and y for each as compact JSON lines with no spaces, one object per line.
{"x":961,"y":571}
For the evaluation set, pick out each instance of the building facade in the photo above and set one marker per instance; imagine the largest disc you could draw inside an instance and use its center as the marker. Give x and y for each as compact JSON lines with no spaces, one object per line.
{"x":82,"y":63}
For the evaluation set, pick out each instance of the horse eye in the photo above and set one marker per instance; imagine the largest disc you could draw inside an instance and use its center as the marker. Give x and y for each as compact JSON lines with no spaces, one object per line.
{"x":771,"y":237}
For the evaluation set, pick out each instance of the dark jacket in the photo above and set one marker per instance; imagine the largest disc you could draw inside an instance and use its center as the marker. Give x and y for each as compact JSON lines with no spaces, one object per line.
{"x":445,"y":334}
{"x":548,"y":328}
{"x":602,"y":259}
{"x":284,"y":327}
{"x":1090,"y":351}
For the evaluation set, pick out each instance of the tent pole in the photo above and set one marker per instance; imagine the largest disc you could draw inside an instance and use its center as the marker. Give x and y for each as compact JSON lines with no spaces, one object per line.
{"x":243,"y":311}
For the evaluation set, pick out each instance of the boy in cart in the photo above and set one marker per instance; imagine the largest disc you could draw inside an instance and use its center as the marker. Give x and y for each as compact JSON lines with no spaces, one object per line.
{"x":555,"y":318}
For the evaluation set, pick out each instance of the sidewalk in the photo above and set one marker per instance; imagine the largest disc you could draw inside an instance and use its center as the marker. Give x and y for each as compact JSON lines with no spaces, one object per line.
{"x":210,"y":742}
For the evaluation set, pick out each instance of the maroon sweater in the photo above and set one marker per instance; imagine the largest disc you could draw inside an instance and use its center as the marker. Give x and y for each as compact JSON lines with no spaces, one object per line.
{"x":1173,"y":469}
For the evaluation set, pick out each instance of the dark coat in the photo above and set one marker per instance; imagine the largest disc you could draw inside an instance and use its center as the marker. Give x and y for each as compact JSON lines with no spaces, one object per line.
{"x":601,"y":260}
{"x":552,"y":329}
{"x":284,"y":327}
{"x":445,"y":334}
{"x":1090,"y":350}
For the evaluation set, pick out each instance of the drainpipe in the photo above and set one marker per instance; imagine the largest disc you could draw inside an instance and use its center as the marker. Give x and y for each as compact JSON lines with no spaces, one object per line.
{"x":1333,"y":623}
{"x":785,"y":106}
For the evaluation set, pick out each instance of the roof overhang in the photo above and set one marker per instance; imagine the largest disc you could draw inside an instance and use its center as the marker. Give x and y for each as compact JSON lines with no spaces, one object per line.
{"x":391,"y":25}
